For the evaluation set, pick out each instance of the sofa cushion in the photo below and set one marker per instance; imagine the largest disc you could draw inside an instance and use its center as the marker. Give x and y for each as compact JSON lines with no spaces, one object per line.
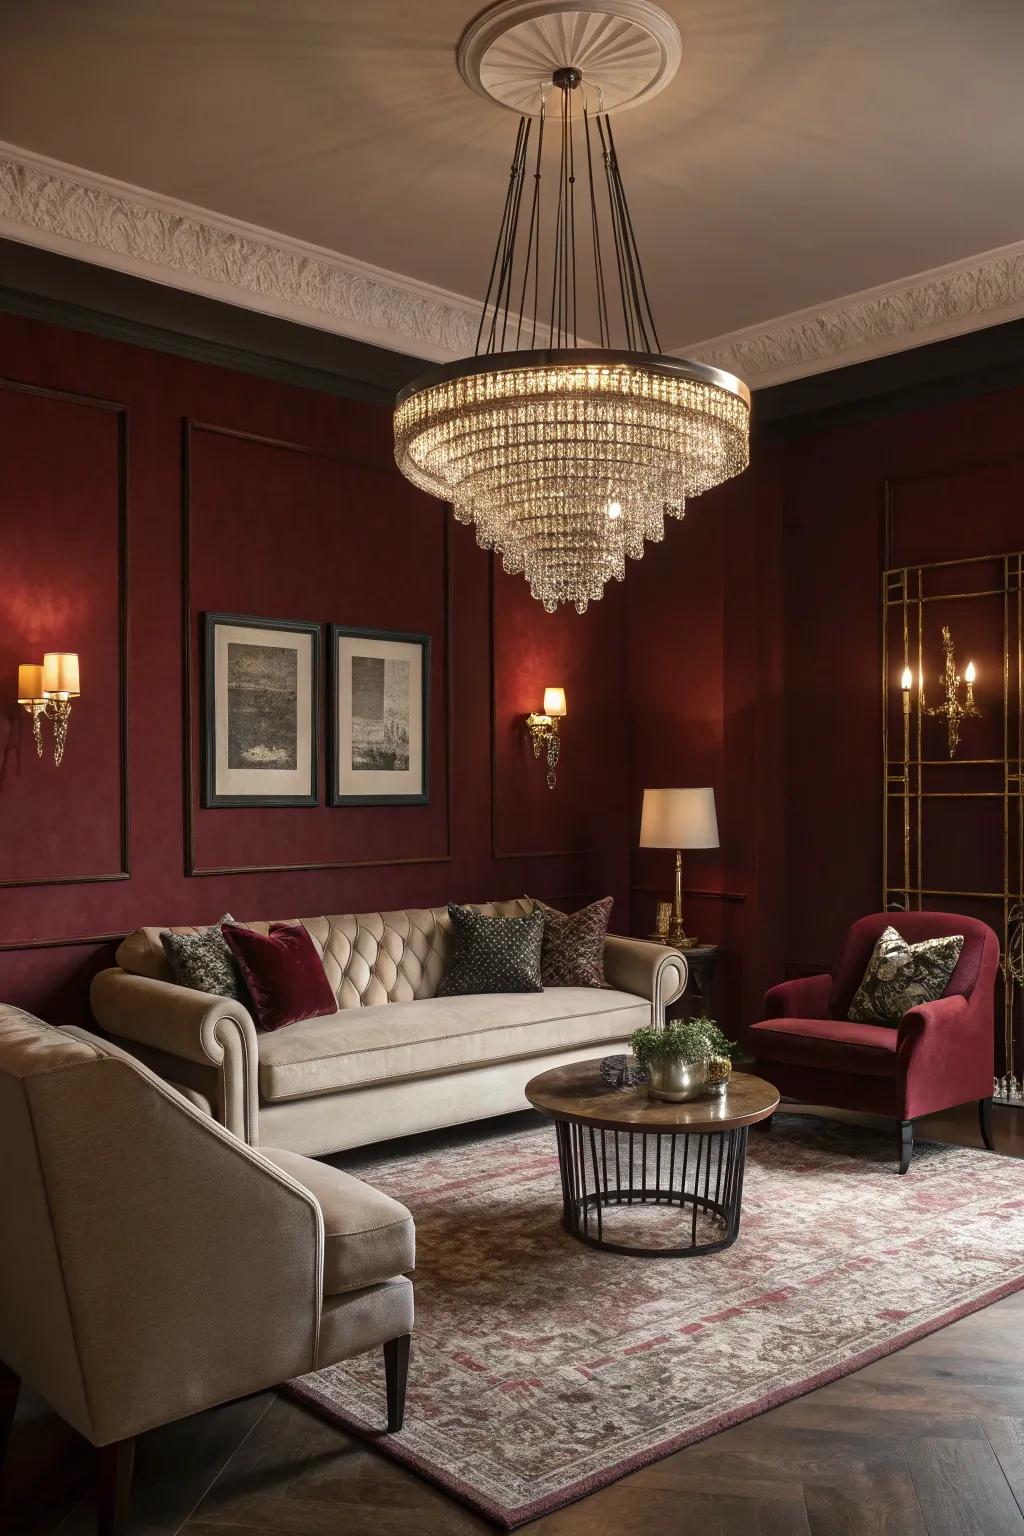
{"x":369,"y":957}
{"x":831,"y":1045}
{"x":900,"y":976}
{"x":368,"y":1237}
{"x":358,"y":1046}
{"x":572,"y":954}
{"x":283,"y":973}
{"x":493,"y":954}
{"x":204,"y":962}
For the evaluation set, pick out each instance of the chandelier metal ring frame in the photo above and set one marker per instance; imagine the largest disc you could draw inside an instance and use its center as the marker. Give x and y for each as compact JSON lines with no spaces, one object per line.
{"x":568,"y":457}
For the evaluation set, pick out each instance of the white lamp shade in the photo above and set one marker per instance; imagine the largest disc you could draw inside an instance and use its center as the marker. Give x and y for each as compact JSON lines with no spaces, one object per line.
{"x":60,"y":673}
{"x":679,"y":818}
{"x":554,"y":701}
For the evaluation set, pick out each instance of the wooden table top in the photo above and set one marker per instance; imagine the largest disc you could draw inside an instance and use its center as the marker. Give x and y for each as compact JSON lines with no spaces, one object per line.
{"x":579,"y":1092}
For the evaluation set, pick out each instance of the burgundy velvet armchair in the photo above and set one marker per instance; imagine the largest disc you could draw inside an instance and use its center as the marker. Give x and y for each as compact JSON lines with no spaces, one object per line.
{"x":941,"y":1054}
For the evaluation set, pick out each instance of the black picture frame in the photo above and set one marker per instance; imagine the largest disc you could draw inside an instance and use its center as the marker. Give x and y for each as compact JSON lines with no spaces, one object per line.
{"x":335,"y":794}
{"x":212,"y":799}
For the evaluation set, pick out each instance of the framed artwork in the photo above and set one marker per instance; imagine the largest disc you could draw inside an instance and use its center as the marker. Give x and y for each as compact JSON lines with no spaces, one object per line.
{"x":260,"y":714}
{"x":380,"y":717}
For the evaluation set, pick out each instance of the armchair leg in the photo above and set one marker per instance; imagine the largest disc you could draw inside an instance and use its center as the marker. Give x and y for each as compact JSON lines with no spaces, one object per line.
{"x":114,"y":1487}
{"x":9,"y":1387}
{"x":906,"y":1144}
{"x":985,"y":1121}
{"x":396,"y":1373}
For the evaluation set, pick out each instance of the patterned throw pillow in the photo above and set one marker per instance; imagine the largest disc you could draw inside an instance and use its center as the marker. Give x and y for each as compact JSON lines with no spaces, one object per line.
{"x":493,"y":954}
{"x":203,"y":960}
{"x":901,"y":975}
{"x":572,"y":954}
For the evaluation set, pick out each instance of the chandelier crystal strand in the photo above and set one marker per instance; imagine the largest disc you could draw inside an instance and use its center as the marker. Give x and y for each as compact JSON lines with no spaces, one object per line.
{"x":568,"y":460}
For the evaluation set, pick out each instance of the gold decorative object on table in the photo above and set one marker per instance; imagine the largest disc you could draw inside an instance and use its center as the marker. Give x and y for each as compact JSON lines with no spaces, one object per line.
{"x":718,"y":1072}
{"x":662,"y":922}
{"x":679,"y":818}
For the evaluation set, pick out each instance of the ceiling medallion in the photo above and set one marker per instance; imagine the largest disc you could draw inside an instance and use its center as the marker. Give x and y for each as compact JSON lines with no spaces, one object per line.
{"x":567,"y":454}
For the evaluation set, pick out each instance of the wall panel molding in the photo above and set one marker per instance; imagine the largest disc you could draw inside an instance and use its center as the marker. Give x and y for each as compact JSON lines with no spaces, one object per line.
{"x":87,"y":941}
{"x":496,"y":853}
{"x":194,"y":871}
{"x":123,"y":871}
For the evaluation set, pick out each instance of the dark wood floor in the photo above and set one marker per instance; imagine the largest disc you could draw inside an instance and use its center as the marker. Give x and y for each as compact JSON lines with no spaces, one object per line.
{"x":927,"y":1442}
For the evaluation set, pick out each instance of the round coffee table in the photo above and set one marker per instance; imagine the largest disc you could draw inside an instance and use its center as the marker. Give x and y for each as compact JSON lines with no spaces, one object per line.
{"x":619,"y":1147}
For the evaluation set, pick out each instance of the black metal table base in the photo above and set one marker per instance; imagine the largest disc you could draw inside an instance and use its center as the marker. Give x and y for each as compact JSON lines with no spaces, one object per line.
{"x":698,"y":1173}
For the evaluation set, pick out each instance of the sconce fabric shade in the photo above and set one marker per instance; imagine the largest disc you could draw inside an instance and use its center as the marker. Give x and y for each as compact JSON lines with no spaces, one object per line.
{"x":30,"y":682}
{"x":679,"y":818}
{"x":60,"y":673}
{"x":554,"y":701}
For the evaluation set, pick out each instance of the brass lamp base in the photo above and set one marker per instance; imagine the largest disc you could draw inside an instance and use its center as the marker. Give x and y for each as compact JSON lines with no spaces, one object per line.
{"x":678,"y":938}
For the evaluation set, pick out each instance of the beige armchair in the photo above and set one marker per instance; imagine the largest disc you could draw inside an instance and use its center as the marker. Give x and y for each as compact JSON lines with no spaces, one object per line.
{"x":153,"y":1265}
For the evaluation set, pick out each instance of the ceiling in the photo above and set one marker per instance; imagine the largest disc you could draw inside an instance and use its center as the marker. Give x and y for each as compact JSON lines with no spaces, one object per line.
{"x":807,"y":149}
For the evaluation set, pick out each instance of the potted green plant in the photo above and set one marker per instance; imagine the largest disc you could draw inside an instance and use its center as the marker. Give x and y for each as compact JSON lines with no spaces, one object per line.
{"x":677,"y":1058}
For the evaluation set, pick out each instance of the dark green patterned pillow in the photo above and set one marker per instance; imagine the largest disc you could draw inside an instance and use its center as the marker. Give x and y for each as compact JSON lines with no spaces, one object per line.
{"x":901,"y":975}
{"x":493,"y":954}
{"x":203,"y":960}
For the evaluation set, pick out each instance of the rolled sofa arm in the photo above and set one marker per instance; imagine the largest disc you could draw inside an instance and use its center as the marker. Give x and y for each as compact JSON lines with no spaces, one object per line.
{"x":646,"y":969}
{"x":194,"y":1026}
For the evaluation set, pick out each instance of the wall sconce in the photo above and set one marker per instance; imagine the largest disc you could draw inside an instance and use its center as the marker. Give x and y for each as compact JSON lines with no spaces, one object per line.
{"x":47,"y":690}
{"x":543,"y":728}
{"x":30,"y":697}
{"x":951,"y":708}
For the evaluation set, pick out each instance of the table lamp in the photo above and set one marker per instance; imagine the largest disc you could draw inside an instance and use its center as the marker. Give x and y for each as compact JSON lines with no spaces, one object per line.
{"x":679,"y":818}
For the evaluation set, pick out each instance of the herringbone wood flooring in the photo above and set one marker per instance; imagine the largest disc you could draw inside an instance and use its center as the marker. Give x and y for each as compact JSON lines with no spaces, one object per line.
{"x":926,"y":1442}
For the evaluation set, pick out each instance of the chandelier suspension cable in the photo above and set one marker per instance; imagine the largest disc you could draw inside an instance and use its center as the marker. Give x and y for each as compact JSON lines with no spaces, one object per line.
{"x":637,"y":281}
{"x":595,"y":235}
{"x":639,"y":329}
{"x":505,"y":245}
{"x":533,"y":234}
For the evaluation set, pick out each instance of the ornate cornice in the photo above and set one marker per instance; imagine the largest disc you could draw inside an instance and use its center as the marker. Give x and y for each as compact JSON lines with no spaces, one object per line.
{"x":60,"y":207}
{"x":47,"y":203}
{"x":947,"y":301}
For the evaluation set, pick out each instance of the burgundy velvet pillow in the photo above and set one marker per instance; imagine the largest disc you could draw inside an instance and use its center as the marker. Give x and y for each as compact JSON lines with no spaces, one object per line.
{"x":284,"y":974}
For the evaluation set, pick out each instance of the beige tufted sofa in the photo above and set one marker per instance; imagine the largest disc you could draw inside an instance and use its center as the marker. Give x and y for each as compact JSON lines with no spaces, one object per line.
{"x":395,"y":1058}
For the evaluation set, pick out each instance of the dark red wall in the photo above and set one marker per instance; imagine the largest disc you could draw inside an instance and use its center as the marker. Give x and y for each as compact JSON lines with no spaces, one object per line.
{"x":750,"y":640}
{"x":957,"y":489}
{"x":755,"y":663}
{"x":287,"y":505}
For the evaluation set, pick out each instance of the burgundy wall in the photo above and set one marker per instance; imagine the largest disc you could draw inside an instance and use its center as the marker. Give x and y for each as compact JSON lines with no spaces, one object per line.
{"x":750,"y":641}
{"x":287,"y":504}
{"x":957,"y":489}
{"x":755,"y":662}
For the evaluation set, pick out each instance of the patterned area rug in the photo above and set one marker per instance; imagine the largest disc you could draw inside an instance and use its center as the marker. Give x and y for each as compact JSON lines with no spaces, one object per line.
{"x":543,"y":1370}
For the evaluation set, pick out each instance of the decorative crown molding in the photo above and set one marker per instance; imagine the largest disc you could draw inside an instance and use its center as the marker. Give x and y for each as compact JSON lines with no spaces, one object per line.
{"x":947,"y":301}
{"x":63,"y":208}
{"x":75,"y":212}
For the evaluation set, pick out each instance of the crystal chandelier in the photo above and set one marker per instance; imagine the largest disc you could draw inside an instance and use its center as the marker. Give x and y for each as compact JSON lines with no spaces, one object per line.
{"x":568,"y":457}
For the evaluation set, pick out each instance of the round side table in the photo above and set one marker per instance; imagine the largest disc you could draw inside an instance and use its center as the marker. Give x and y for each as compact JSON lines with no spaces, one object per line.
{"x":619,"y":1148}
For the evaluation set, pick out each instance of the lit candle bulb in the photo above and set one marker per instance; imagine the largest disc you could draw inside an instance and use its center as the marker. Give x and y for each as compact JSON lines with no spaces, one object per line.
{"x":908,"y":680}
{"x":970,"y":674}
{"x":614,"y":509}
